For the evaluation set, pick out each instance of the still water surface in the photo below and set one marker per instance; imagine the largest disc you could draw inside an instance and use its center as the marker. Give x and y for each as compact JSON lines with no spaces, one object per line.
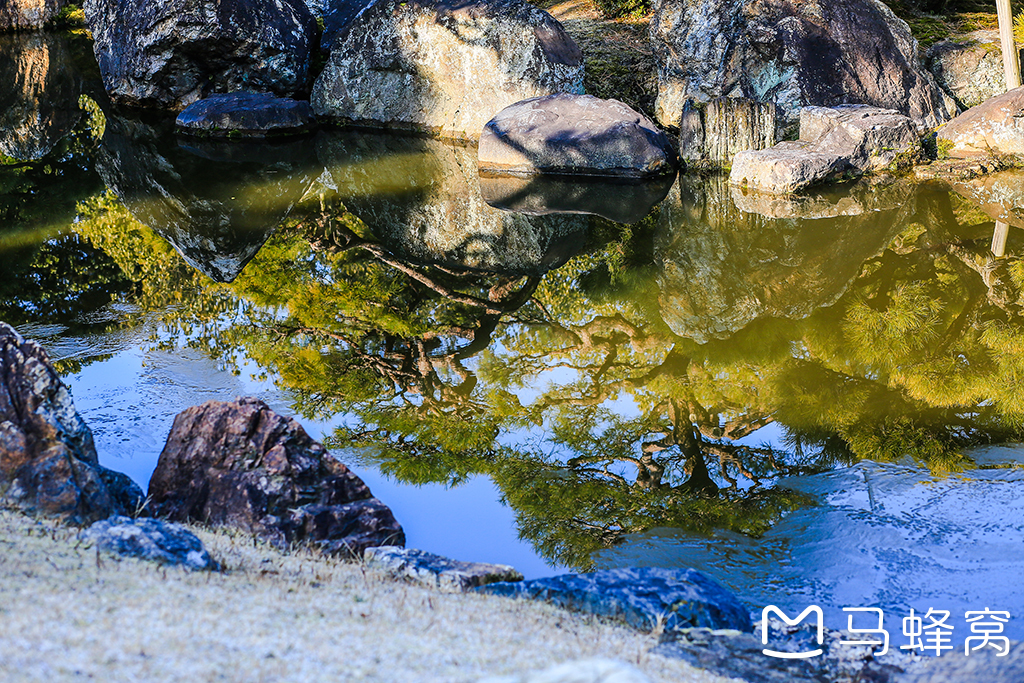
{"x":814,"y":400}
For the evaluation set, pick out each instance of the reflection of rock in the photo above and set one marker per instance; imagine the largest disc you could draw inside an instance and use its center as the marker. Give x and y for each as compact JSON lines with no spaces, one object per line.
{"x":444,"y":66}
{"x":216,"y":203}
{"x":23,"y":14}
{"x":1000,"y":195}
{"x":722,"y":268}
{"x":829,"y":202}
{"x":422,"y":199}
{"x":38,"y":94}
{"x":539,"y":196}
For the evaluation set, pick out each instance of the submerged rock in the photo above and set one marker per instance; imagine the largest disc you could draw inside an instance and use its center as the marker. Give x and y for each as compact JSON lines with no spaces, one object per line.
{"x":421,"y":198}
{"x":444,"y":67}
{"x":437,"y":571}
{"x":169,"y":53}
{"x":574,"y":135}
{"x":245,"y":114}
{"x":27,"y":14}
{"x":39,"y":91}
{"x":150,"y":539}
{"x":644,"y":597}
{"x":240,"y":464}
{"x":813,"y":52}
{"x":216,"y":203}
{"x":48,"y":462}
{"x":994,"y":127}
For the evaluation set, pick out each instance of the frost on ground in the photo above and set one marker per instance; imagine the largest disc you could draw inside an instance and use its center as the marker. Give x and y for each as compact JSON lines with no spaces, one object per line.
{"x":68,"y":613}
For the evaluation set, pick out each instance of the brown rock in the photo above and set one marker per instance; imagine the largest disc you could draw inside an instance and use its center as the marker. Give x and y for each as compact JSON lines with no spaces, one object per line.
{"x":996,"y":126}
{"x":241,"y":464}
{"x":715,"y":133}
{"x":27,"y":14}
{"x":48,"y":462}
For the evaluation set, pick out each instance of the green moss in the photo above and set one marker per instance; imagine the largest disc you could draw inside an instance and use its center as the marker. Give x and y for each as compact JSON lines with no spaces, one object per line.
{"x":70,"y":16}
{"x":631,"y":9}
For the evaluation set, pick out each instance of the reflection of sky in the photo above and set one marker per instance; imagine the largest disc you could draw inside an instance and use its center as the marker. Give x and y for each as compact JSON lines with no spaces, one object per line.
{"x":130,"y":399}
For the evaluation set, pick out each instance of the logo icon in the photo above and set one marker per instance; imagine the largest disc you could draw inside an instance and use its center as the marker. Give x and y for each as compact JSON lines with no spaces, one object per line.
{"x":813,"y":609}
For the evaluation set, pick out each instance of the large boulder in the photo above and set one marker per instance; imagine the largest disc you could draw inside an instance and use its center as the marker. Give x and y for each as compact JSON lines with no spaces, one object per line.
{"x":27,"y":14}
{"x":574,"y":135}
{"x":48,"y":462}
{"x":793,"y":53}
{"x":170,"y":53}
{"x":444,"y":66}
{"x":240,"y":464}
{"x":969,"y":69}
{"x":994,"y":127}
{"x":39,"y":92}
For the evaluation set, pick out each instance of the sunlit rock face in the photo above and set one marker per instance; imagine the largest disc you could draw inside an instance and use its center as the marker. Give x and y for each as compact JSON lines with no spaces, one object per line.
{"x":444,"y":67}
{"x":170,"y":53}
{"x":1000,"y":195}
{"x":421,"y":198}
{"x":216,"y":203}
{"x":23,"y":14}
{"x":807,"y":52}
{"x":38,"y":94}
{"x":726,"y":263}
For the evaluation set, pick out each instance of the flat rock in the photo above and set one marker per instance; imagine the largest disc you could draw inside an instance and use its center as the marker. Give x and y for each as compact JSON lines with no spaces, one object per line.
{"x":642,"y":597}
{"x":787,"y":167}
{"x":149,"y":539}
{"x":240,"y":464}
{"x":795,"y":54}
{"x":28,"y":14}
{"x":444,"y":66}
{"x":994,"y":127}
{"x":580,"y":671}
{"x":247,"y":114}
{"x":574,"y":135}
{"x":969,"y":69}
{"x":437,"y":571}
{"x":48,"y":462}
{"x":167,"y":54}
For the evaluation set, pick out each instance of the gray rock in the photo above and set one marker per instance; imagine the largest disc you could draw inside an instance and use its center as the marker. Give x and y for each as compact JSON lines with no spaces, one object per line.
{"x":437,"y":571}
{"x":981,"y":666}
{"x":847,"y":140}
{"x":574,"y":135}
{"x":422,"y":200}
{"x":27,"y":14}
{"x":994,"y":127}
{"x":793,"y":54}
{"x":444,"y":66}
{"x":150,"y":539}
{"x":580,"y":671}
{"x":622,"y":202}
{"x":714,"y":133}
{"x":39,"y":92}
{"x":170,"y":53}
{"x":643,"y":597}
{"x":248,"y":114}
{"x":48,"y":462}
{"x":971,"y":69}
{"x":338,"y":14}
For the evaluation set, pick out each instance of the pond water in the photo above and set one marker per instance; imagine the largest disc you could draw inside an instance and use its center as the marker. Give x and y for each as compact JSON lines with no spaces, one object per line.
{"x":814,"y":400}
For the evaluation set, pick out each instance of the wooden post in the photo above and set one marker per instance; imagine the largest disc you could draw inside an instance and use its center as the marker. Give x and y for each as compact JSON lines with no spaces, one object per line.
{"x":999,"y":239}
{"x":1011,"y":63}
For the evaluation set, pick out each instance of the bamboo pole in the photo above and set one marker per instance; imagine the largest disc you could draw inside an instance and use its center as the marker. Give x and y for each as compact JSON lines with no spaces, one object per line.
{"x":1011,"y":62}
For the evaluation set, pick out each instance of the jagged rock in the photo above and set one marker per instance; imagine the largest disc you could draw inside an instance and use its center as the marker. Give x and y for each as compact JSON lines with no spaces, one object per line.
{"x":971,"y":69}
{"x":729,"y":267}
{"x":422,"y":200}
{"x":246,"y":114}
{"x":48,"y":462}
{"x":847,"y":140}
{"x":809,"y":52}
{"x":149,"y":539}
{"x":216,"y":203}
{"x":581,"y":671}
{"x":170,"y":53}
{"x":642,"y":597}
{"x":337,"y":14}
{"x":574,"y":135}
{"x":994,"y":127}
{"x":714,"y":133}
{"x":622,"y":202}
{"x":39,"y":93}
{"x":443,"y":66}
{"x":27,"y":14}
{"x":240,"y":464}
{"x":437,"y":571}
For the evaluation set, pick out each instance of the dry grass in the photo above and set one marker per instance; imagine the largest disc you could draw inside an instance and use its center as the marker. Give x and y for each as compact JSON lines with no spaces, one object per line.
{"x":68,"y":615}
